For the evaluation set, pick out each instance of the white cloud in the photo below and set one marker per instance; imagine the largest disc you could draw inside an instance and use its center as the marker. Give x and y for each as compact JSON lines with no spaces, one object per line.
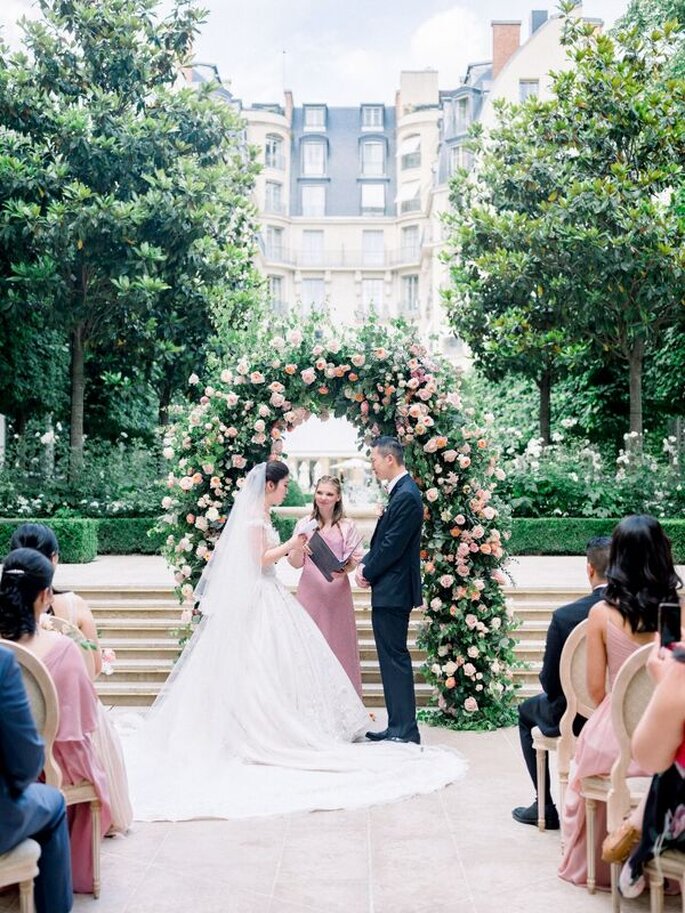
{"x":448,"y":42}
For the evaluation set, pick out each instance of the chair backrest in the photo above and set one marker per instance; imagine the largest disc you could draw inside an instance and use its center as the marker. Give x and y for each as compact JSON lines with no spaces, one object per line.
{"x":42,"y":696}
{"x":630,"y":695}
{"x":573,"y":675}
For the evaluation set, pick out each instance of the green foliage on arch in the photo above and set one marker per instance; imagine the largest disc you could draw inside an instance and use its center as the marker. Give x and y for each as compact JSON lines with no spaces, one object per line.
{"x":384,"y":382}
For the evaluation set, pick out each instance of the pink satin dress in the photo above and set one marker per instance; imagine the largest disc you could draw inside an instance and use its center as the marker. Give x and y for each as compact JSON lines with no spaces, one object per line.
{"x":596,"y":751}
{"x":330,"y":604}
{"x":75,"y":752}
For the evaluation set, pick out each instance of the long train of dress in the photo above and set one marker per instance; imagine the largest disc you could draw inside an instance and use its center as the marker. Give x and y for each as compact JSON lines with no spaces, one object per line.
{"x":262,"y":721}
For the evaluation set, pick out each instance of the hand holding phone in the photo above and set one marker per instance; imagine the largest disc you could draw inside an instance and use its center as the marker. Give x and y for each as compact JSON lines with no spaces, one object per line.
{"x":669,"y":623}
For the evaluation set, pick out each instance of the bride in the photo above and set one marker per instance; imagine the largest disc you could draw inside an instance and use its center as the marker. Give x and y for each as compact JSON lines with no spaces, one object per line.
{"x":259,"y":717}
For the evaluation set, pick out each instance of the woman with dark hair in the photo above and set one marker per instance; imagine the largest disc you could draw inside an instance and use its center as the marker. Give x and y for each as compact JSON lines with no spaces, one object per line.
{"x":68,"y":605}
{"x":330,"y":603}
{"x":640,"y":576}
{"x":73,"y":609}
{"x":25,"y":593}
{"x":259,"y":717}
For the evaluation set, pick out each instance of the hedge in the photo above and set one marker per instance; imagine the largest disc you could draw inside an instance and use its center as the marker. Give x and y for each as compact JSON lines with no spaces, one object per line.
{"x":78,"y":539}
{"x":569,"y":535}
{"x":128,"y":536}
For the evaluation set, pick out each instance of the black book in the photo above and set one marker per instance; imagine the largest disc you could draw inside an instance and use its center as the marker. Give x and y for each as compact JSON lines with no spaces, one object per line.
{"x":324,"y":558}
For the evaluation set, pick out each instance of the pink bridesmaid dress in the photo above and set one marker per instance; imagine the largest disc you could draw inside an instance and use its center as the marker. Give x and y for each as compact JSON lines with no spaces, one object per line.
{"x":330,"y":604}
{"x":75,"y":752}
{"x":596,"y":751}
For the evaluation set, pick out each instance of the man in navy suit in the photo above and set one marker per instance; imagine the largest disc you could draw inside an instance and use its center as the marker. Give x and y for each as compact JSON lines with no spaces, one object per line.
{"x":546,"y":710}
{"x":392,"y":569}
{"x":27,"y":808}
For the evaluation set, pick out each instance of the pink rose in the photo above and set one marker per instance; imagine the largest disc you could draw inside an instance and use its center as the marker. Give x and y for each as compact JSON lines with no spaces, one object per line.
{"x":238,"y":461}
{"x":446,"y":581}
{"x":470,"y":705}
{"x":471,"y":621}
{"x":469,"y":669}
{"x":431,"y":446}
{"x":259,"y":426}
{"x":478,"y":532}
{"x":308,"y":375}
{"x":450,"y":682}
{"x":358,"y":360}
{"x":449,"y":456}
{"x":498,"y":577}
{"x":489,"y":513}
{"x":231,"y":399}
{"x":294,"y":337}
{"x":186,"y":483}
{"x":432,"y":494}
{"x":232,"y":432}
{"x":464,"y":461}
{"x":277,"y":400}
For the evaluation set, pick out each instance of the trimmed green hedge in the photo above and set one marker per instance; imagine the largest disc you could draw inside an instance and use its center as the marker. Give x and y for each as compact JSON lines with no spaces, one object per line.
{"x":128,"y":536}
{"x":569,"y":535}
{"x":78,"y":539}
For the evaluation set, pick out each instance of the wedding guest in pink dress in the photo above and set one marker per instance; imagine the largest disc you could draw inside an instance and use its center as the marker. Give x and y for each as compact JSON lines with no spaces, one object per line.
{"x":640,"y":576}
{"x":26,"y":593}
{"x":330,"y":604}
{"x":75,"y":610}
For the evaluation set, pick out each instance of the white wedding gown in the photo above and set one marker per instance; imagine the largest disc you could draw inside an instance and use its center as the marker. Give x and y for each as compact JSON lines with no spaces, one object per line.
{"x":260,"y":718}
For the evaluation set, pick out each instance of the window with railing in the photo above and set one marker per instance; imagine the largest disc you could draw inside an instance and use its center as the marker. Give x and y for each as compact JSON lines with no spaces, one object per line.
{"x":410,"y":295}
{"x":315,"y":117}
{"x":411,"y":247}
{"x":313,"y":295}
{"x":372,"y":296}
{"x":461,"y":115}
{"x":373,"y":199}
{"x":312,"y":248}
{"x":372,"y":158}
{"x":273,"y":197}
{"x":273,"y":152}
{"x":373,"y":248}
{"x":372,"y":117}
{"x":276,"y":300}
{"x":313,"y":200}
{"x":410,"y":152}
{"x":313,"y":159}
{"x":460,"y":157}
{"x":274,"y":242}
{"x":409,"y":197}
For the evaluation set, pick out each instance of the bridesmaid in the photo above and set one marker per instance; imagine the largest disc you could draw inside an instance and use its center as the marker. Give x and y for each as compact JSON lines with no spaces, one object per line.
{"x":25,"y":593}
{"x":330,"y":604}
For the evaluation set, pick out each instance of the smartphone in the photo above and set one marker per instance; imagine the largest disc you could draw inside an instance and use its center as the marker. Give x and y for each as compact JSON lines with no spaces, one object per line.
{"x":669,"y":623}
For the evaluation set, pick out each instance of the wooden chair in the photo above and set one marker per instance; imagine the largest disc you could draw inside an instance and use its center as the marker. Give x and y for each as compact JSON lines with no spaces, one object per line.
{"x":20,"y":866}
{"x":629,"y":698}
{"x":670,"y":864}
{"x":572,"y":672}
{"x":45,"y":708}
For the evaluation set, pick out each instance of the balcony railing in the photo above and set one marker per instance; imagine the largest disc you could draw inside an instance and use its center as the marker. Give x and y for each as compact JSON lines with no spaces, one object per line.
{"x":410,"y":160}
{"x":274,"y":207}
{"x":275,"y":160}
{"x":342,"y":258}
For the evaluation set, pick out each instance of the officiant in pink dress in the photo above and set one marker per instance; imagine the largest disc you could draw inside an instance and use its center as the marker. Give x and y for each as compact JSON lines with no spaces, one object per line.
{"x":330,"y":603}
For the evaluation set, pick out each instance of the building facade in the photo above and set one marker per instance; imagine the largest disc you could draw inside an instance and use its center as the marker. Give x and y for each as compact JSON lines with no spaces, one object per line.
{"x":351,"y":199}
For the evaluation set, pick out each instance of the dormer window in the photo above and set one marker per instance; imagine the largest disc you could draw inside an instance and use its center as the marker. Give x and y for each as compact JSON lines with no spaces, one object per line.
{"x":372,"y":117}
{"x":315,"y":117}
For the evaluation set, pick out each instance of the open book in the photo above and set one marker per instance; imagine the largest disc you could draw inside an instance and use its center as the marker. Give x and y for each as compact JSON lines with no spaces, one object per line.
{"x":325,"y":559}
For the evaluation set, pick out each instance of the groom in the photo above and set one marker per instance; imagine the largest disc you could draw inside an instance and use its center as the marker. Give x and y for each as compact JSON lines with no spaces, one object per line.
{"x":392,"y":569}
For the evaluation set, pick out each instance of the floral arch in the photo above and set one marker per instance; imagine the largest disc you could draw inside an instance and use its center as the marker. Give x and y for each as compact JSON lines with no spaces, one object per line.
{"x":384,"y":382}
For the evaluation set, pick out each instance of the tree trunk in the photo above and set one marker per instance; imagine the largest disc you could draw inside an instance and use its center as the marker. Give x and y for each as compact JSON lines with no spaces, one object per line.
{"x":635,"y":361}
{"x":545,"y":388}
{"x":78,"y":386}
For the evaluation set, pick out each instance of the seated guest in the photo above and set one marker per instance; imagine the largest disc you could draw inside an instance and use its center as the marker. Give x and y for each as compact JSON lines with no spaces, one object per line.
{"x":72,"y":608}
{"x":27,"y":808}
{"x":25,"y":593}
{"x":658,"y":746}
{"x":640,"y":576}
{"x":68,"y":605}
{"x":546,"y":710}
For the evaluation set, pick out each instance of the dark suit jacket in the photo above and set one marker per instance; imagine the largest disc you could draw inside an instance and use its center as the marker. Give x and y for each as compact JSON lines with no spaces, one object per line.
{"x":21,"y":748}
{"x":564,"y":620}
{"x":393,"y":565}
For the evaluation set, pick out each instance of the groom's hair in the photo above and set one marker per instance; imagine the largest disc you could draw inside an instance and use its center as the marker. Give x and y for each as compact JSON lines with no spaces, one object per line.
{"x":390,"y":446}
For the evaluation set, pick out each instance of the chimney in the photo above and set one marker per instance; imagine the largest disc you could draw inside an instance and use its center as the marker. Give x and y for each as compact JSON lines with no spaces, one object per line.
{"x":537,"y":18}
{"x":506,"y":39}
{"x":289,"y":105}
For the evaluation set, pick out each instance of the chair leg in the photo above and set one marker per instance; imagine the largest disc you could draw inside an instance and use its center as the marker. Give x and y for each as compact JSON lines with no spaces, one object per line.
{"x":563,"y":783}
{"x":26,"y":897}
{"x":590,"y":807}
{"x":656,"y":893}
{"x":95,"y":824}
{"x":615,"y":896}
{"x":540,"y":758}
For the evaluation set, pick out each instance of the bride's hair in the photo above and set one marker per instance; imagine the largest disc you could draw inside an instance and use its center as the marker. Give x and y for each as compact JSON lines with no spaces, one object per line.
{"x":275,"y":470}
{"x":338,"y":510}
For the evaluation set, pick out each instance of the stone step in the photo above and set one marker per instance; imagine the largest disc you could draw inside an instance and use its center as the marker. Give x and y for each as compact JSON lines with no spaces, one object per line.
{"x":142,"y":628}
{"x":136,"y":609}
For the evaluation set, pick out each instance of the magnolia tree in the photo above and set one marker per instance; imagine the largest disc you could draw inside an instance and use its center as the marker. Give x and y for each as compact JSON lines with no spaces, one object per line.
{"x":384,"y":383}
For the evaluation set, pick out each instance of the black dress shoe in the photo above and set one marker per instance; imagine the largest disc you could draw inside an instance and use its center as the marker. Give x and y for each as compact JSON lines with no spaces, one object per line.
{"x":529,"y":815}
{"x":395,"y":738}
{"x":377,"y":736}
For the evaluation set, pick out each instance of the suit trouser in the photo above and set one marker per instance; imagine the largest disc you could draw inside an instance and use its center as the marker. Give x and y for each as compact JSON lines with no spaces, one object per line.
{"x":41,"y":815}
{"x":529,"y":716}
{"x":390,"y":626}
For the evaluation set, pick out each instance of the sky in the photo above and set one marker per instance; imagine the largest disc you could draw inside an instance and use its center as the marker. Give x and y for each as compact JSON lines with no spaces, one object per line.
{"x":342,"y":53}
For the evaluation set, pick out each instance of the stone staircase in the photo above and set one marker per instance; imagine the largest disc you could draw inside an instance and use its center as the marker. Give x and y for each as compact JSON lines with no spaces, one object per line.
{"x":138,"y":623}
